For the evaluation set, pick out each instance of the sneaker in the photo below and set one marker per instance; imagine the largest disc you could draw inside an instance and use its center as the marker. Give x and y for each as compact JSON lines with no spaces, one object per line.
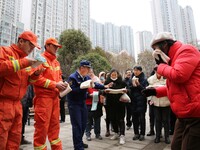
{"x":24,"y":141}
{"x":136,"y":137}
{"x":99,"y":137}
{"x":122,"y":140}
{"x":114,"y":137}
{"x":88,"y":138}
{"x":85,"y":145}
{"x":141,"y":138}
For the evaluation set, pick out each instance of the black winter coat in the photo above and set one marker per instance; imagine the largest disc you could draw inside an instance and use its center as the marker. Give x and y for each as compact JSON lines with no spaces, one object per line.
{"x":138,"y":101}
{"x":117,"y":108}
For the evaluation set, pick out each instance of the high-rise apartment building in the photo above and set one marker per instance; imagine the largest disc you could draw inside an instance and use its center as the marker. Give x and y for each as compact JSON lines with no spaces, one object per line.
{"x":111,"y":37}
{"x":127,"y":39}
{"x":142,"y":42}
{"x":189,"y":26}
{"x":10,"y":17}
{"x":48,"y":18}
{"x":168,"y":16}
{"x":96,"y":34}
{"x":51,"y":17}
{"x":82,"y":15}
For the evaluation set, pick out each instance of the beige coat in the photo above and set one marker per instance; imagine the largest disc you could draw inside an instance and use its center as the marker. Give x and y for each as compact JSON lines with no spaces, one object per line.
{"x":155,"y":82}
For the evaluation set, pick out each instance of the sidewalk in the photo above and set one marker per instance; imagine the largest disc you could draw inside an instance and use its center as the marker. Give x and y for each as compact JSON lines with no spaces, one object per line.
{"x":95,"y":144}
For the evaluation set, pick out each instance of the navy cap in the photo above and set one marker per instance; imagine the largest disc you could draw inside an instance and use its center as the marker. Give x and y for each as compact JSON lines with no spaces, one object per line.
{"x":85,"y":63}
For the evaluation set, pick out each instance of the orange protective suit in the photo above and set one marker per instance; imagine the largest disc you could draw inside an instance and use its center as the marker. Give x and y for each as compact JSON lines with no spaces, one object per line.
{"x":13,"y":86}
{"x":46,"y":105}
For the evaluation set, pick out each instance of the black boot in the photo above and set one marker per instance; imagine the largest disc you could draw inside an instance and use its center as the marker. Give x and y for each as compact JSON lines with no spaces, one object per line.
{"x":151,"y":132}
{"x":167,"y":140}
{"x":157,"y":140}
{"x":85,"y":145}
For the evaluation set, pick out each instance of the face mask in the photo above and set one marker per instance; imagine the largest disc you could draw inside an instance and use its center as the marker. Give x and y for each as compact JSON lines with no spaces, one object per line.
{"x":102,"y":78}
{"x":113,"y":79}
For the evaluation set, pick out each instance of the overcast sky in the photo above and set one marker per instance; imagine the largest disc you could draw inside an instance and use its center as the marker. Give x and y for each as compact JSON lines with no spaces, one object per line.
{"x":134,"y":13}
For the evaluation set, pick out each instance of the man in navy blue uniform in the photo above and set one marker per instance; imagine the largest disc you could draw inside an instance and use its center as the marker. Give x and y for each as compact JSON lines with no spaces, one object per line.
{"x":76,"y":103}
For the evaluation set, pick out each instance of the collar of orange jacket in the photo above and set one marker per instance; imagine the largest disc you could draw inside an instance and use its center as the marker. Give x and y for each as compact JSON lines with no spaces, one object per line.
{"x":19,"y":51}
{"x":49,"y":55}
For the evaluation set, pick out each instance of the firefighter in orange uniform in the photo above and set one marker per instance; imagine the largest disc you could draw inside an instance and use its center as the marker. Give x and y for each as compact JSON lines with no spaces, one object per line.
{"x":46,"y":100}
{"x":13,"y":84}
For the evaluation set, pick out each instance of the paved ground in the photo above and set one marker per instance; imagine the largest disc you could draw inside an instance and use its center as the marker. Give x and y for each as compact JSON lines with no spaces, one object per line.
{"x":105,"y":144}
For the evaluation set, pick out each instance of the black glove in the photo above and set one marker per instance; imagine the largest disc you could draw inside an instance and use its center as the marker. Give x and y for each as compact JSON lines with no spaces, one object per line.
{"x":160,"y":60}
{"x":149,"y":92}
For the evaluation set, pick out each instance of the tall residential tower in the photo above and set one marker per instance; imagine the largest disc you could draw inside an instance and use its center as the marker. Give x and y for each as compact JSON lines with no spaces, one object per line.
{"x":168,"y":16}
{"x":50,"y":17}
{"x":10,"y":17}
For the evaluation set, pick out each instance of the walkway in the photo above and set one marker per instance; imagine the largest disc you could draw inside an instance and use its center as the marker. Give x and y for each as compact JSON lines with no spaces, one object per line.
{"x":95,"y":144}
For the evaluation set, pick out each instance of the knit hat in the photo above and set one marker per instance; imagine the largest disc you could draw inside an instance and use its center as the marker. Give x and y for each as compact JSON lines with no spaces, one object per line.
{"x":162,"y":36}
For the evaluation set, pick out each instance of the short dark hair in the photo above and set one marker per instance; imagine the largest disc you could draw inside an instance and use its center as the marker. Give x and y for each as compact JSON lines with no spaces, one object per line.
{"x":138,"y":68}
{"x":128,"y":70}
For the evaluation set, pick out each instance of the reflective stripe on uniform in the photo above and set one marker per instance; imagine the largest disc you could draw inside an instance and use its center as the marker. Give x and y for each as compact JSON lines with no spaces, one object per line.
{"x":31,"y":80}
{"x":28,"y":69}
{"x":16,"y":65}
{"x":55,"y":141}
{"x":46,"y":64}
{"x":54,"y":69}
{"x":40,"y":147}
{"x":47,"y":83}
{"x":57,"y":68}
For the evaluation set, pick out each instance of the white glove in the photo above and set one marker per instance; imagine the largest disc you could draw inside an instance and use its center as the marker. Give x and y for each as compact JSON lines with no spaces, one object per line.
{"x":164,"y":57}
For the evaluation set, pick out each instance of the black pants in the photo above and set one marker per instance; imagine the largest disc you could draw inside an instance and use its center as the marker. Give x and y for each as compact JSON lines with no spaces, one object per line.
{"x":117,"y":115}
{"x":186,"y":134}
{"x":138,"y":119}
{"x":128,"y":114}
{"x":62,"y":109}
{"x":25,"y":109}
{"x":151,"y":117}
{"x":162,"y":118}
{"x":172,"y":121}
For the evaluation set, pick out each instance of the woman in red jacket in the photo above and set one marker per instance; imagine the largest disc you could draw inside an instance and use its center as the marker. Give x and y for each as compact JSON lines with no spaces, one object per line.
{"x":180,"y":64}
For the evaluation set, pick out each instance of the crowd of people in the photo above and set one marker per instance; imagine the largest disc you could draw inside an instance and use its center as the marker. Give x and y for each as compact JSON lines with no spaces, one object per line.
{"x":172,"y":93}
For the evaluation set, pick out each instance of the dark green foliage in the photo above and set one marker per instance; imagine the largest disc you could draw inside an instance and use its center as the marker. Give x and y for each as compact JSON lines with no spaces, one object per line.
{"x":74,"y":43}
{"x":98,"y":62}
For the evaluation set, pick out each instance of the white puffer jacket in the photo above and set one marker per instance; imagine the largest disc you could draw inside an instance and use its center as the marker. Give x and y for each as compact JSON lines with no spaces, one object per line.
{"x":155,"y":82}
